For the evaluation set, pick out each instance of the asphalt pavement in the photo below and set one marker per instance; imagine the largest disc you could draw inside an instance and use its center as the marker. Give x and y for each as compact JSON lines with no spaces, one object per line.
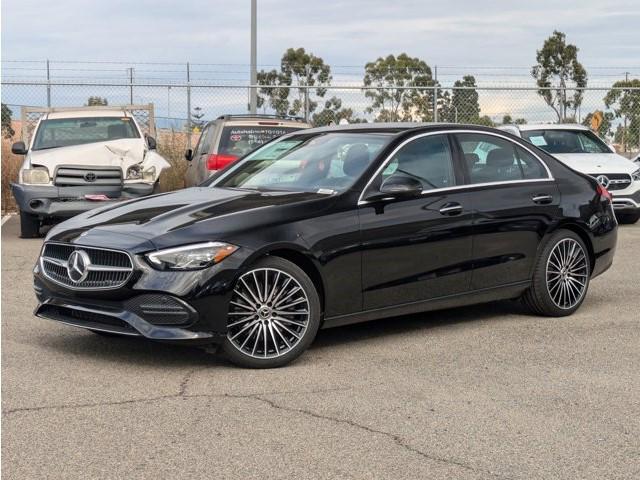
{"x":480,"y":392}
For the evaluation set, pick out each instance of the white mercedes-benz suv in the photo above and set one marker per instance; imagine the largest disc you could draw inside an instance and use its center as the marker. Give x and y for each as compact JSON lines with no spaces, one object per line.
{"x":582,"y":150}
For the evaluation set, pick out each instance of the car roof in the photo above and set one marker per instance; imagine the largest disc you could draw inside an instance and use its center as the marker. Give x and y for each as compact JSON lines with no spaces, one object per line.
{"x":397,"y":127}
{"x":549,"y":126}
{"x":81,"y":113}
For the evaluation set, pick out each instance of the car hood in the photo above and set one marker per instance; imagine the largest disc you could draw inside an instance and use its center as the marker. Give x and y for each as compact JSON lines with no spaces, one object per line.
{"x":187,"y":216}
{"x":115,"y":153}
{"x":597,"y":162}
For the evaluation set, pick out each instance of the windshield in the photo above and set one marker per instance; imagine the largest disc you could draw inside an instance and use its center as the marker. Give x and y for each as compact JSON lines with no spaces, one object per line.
{"x":327,"y":163}
{"x":64,"y":132}
{"x":566,"y":141}
{"x":240,"y":140}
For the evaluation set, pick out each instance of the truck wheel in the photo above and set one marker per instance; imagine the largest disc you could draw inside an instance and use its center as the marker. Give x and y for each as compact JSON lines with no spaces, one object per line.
{"x":628,"y":218}
{"x":29,"y":225}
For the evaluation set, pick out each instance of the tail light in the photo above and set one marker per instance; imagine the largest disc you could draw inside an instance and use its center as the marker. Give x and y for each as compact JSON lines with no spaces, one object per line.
{"x":603,"y":192}
{"x":218,"y":161}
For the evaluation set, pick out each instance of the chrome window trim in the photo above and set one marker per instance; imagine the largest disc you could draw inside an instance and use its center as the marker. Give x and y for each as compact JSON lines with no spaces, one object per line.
{"x":41,"y":261}
{"x":466,"y":185}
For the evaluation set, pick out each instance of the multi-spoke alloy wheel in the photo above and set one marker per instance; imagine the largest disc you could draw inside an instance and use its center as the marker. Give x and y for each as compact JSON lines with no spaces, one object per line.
{"x":270,"y":313}
{"x":567,"y":273}
{"x":561,"y":276}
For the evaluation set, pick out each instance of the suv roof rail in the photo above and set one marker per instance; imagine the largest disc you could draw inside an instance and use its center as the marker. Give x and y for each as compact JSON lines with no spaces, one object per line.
{"x":259,"y":115}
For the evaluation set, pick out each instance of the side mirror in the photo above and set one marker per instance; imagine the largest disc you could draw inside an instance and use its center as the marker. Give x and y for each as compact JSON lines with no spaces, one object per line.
{"x":188,"y":155}
{"x":398,"y":187}
{"x":152,"y":143}
{"x":19,"y":148}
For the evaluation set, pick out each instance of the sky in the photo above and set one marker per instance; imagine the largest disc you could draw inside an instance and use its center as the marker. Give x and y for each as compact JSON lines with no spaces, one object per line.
{"x":350,"y":33}
{"x":494,"y":40}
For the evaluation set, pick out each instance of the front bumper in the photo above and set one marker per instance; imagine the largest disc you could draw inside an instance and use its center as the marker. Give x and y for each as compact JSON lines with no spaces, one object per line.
{"x":62,"y":202}
{"x":626,"y":201}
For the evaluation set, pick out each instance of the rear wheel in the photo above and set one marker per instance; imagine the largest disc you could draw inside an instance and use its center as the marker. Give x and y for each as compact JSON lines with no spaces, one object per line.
{"x":628,"y":218}
{"x":29,"y":225}
{"x":561,"y":276}
{"x":274,"y":315}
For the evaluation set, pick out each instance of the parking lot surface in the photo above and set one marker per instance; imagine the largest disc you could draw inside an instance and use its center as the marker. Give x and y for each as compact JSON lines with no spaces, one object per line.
{"x":480,"y":392}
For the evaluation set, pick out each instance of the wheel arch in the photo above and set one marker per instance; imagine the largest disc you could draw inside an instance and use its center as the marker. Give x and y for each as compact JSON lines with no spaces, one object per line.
{"x":584,"y":236}
{"x":301,"y":258}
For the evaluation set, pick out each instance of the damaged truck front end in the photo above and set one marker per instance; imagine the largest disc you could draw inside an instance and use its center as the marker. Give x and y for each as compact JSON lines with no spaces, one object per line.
{"x":67,"y":172}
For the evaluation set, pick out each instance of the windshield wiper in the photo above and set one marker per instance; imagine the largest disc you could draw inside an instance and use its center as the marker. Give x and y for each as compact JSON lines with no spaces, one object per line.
{"x":47,"y":148}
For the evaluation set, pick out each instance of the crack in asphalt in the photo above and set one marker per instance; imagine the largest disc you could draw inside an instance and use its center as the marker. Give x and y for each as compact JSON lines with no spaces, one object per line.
{"x":397,"y":439}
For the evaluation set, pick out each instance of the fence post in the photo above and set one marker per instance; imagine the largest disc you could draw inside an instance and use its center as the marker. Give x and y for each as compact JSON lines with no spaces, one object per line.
{"x":306,"y":95}
{"x":188,"y":107}
{"x":130,"y":85}
{"x":48,"y":86}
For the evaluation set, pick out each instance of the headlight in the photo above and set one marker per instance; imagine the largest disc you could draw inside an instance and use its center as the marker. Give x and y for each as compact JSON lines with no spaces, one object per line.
{"x":636,"y":175}
{"x":34,"y":176}
{"x":135,"y":172}
{"x":191,"y":257}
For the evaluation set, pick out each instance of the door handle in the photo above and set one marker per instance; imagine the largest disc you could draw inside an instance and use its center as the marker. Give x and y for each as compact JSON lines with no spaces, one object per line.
{"x":452,"y":208}
{"x":542,"y":199}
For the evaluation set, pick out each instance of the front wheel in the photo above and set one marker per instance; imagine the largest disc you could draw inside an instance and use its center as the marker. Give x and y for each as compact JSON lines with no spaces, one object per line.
{"x":561,"y":276}
{"x":274,"y":315}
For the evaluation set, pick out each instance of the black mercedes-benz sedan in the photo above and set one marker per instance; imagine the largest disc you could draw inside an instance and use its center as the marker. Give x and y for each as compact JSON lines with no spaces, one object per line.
{"x":331,"y":226}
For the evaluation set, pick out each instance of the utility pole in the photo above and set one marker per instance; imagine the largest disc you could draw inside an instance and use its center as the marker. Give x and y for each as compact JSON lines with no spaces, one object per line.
{"x":188,"y":106}
{"x":435,"y":95}
{"x":624,"y":132}
{"x":253,"y":94}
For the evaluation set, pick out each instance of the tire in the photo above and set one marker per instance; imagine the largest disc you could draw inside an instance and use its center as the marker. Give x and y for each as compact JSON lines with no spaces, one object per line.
{"x":258,"y":336}
{"x":628,"y":218}
{"x":561,"y":276}
{"x":29,"y":225}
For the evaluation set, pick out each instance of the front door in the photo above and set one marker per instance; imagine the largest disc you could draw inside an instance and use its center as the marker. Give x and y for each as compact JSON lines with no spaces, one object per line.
{"x":420,"y":248}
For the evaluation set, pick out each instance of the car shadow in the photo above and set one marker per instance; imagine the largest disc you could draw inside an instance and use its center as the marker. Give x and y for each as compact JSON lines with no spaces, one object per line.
{"x":142,"y":352}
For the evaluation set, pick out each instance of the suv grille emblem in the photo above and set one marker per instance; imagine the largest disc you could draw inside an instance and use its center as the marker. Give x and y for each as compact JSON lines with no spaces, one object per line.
{"x":603,"y":180}
{"x":90,"y":177}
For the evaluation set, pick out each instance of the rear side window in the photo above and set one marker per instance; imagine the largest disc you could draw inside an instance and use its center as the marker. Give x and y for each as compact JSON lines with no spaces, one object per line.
{"x":494,"y":159}
{"x":241,"y":140}
{"x":427,"y":159}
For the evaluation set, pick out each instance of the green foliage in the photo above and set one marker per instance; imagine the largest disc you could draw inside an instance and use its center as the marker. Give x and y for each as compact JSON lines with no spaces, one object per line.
{"x":333,"y":113}
{"x":7,"y":129}
{"x":557,"y":69}
{"x":392,"y":101}
{"x":94,"y":101}
{"x":297,"y":67}
{"x":508,"y":120}
{"x":465,"y":101}
{"x":624,"y":98}
{"x":484,"y":120}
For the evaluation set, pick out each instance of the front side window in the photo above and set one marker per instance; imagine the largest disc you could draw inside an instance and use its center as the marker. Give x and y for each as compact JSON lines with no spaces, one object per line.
{"x":427,"y":159}
{"x":328,"y":162}
{"x":566,"y":141}
{"x":494,"y":159}
{"x":65,"y":132}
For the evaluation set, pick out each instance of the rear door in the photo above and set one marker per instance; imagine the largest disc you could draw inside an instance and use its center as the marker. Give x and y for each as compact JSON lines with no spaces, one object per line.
{"x":515,"y":201}
{"x":420,"y":248}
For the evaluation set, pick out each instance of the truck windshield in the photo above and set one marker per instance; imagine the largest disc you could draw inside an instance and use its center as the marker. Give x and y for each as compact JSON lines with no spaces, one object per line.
{"x":64,"y":132}
{"x":566,"y":141}
{"x":324,"y":162}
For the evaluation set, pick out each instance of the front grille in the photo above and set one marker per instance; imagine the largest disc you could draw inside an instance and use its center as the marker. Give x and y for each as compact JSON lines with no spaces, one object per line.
{"x":74,"y":176}
{"x":104,"y":269}
{"x":617,"y":181}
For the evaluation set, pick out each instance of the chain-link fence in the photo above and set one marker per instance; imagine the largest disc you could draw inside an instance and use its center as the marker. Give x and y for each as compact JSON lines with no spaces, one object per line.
{"x":182,"y":108}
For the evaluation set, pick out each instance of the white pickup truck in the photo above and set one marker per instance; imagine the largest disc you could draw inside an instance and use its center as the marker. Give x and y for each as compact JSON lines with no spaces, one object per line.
{"x":80,"y":159}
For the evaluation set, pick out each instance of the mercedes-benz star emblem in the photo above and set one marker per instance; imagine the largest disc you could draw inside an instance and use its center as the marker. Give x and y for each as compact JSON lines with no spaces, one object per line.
{"x":603,"y":180}
{"x":78,"y":265}
{"x":90,"y":177}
